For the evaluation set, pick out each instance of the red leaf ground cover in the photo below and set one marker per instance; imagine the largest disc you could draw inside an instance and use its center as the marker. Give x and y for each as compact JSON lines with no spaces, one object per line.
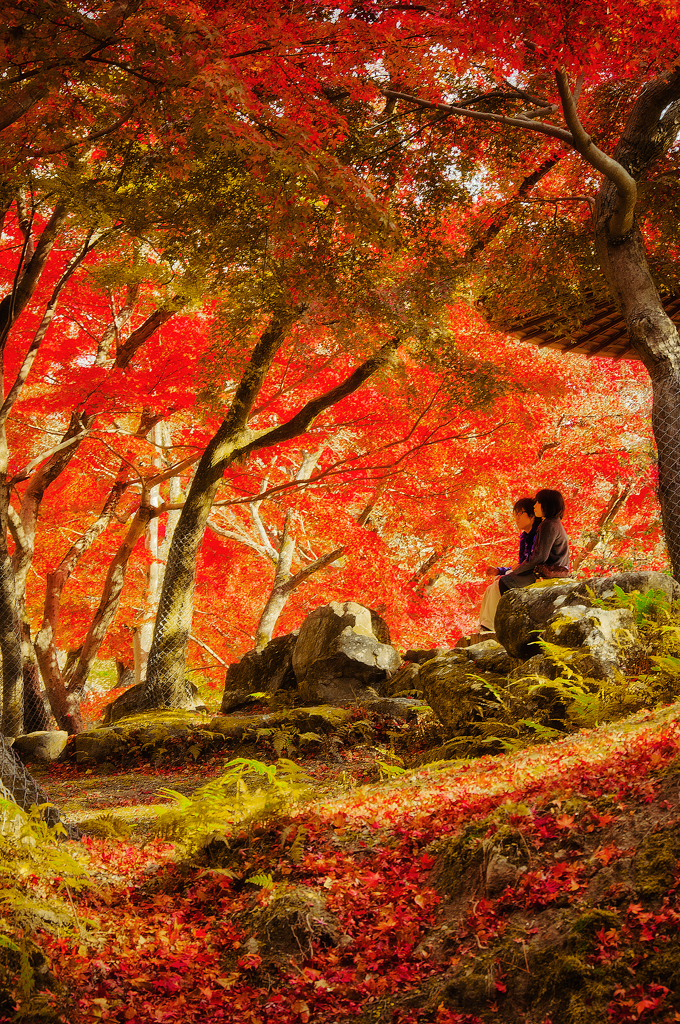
{"x":169,"y":940}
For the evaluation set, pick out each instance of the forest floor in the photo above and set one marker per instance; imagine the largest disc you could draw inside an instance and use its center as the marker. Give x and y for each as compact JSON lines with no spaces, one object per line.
{"x":538,"y":887}
{"x":84,"y":794}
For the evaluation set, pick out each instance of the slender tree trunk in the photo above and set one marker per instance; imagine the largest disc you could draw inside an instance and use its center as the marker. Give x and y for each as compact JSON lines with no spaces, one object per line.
{"x":103,"y":617}
{"x":278,"y":596}
{"x":46,"y":639}
{"x":609,"y":513}
{"x":143,"y":633}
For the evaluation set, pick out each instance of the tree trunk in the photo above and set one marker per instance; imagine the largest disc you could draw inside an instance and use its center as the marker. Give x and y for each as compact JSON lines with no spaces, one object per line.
{"x":165,"y":683}
{"x":46,"y":639}
{"x":10,"y":634}
{"x":655,"y":338}
{"x":651,"y":128}
{"x":103,"y":617}
{"x":36,"y":714}
{"x":143,"y":631}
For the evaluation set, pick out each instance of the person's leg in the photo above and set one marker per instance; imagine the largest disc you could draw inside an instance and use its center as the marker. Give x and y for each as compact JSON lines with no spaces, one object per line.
{"x":487,"y":611}
{"x":516,"y":581}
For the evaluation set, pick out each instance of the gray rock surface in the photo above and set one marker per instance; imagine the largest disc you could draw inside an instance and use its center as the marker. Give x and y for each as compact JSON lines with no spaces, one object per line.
{"x":337,"y":656}
{"x":265,"y":671}
{"x":604,"y":641}
{"x":490,"y":656}
{"x":458,"y":693}
{"x":46,"y":745}
{"x":523,"y":615}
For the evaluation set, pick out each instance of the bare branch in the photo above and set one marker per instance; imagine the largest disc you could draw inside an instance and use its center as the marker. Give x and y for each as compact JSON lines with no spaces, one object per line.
{"x":480,"y":115}
{"x":621,"y":221}
{"x":241,"y":538}
{"x":294,"y":582}
{"x":200,"y":643}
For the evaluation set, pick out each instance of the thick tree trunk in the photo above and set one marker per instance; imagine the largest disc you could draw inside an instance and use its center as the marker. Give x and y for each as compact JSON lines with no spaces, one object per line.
{"x":165,"y":682}
{"x":10,"y":633}
{"x":36,"y":713}
{"x":655,"y":338}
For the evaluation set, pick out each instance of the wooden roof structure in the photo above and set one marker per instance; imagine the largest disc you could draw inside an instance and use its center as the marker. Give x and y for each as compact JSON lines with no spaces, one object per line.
{"x":603,"y":333}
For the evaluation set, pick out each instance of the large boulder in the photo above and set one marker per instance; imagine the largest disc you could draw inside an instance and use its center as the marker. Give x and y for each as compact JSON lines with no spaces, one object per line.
{"x":45,"y":745}
{"x":263,"y":671}
{"x":338,"y":657}
{"x":462,"y":696}
{"x":601,"y":642}
{"x":523,"y":615}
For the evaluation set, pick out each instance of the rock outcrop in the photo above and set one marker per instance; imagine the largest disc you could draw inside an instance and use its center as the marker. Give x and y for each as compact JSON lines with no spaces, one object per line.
{"x":524,"y":615}
{"x":338,"y":657}
{"x":45,"y":745}
{"x":265,"y":671}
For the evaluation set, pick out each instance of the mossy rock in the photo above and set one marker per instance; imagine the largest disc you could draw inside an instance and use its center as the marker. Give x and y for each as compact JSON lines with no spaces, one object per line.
{"x":294,"y":920}
{"x":655,"y":863}
{"x":129,"y":703}
{"x":149,"y":731}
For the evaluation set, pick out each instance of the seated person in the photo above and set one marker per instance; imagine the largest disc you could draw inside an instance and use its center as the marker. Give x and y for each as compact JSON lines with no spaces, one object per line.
{"x":528,"y":523}
{"x":551,"y":546}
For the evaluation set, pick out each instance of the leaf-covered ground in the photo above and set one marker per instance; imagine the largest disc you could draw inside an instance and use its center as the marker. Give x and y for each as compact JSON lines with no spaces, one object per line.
{"x":538,"y":887}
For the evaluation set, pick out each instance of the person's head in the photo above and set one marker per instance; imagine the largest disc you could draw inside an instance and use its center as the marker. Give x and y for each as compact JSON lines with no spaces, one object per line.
{"x":549,"y":504}
{"x":523,"y":511}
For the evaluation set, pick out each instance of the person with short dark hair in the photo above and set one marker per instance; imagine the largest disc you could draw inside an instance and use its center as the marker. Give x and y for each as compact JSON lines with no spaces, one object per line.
{"x":551,"y":546}
{"x":528,"y":523}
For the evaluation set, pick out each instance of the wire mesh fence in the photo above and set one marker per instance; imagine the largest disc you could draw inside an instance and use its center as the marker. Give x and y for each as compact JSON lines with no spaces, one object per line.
{"x":166,"y":683}
{"x":17,"y":786}
{"x":666,"y":426}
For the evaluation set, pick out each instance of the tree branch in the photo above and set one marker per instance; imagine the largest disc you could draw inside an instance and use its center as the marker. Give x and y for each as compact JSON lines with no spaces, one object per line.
{"x":480,"y":115}
{"x":621,"y":220}
{"x":294,"y":582}
{"x":302,"y":420}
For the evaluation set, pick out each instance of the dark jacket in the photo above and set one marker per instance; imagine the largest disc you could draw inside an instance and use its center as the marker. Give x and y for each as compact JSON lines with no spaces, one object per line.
{"x":551,"y":547}
{"x":526,"y":545}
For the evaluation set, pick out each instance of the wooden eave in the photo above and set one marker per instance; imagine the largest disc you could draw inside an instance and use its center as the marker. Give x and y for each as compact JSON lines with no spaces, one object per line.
{"x":603,"y":333}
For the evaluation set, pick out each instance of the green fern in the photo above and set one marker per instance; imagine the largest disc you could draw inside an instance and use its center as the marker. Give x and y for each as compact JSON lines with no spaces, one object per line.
{"x":264,"y":881}
{"x":233,"y":799}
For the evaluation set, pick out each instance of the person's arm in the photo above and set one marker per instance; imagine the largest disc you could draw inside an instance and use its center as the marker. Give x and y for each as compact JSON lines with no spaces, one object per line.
{"x":545,"y":538}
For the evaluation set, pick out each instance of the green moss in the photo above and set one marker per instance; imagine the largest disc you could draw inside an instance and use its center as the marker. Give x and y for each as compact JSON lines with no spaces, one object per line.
{"x":458,"y":858}
{"x":655,"y":863}
{"x":585,"y":927}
